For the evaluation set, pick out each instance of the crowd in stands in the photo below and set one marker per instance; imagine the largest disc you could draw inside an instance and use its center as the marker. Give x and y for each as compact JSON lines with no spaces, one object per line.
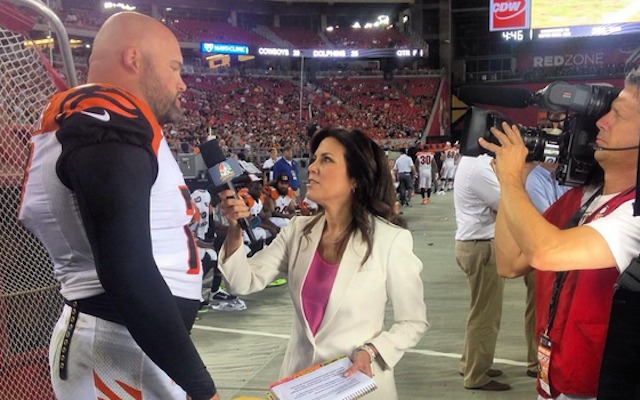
{"x":384,"y":109}
{"x":258,"y":113}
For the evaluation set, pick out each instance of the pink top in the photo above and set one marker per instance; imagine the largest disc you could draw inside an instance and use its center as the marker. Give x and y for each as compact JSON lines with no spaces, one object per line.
{"x":317,"y":289}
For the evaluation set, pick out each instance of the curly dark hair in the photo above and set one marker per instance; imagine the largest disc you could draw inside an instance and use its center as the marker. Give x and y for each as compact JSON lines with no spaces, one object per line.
{"x":374,"y":193}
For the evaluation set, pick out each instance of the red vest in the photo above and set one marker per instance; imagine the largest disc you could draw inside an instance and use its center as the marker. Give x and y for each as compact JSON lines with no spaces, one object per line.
{"x":580,"y":326}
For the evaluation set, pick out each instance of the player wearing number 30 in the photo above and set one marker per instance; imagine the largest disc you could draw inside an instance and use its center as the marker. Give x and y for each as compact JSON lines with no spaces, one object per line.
{"x":107,"y":199}
{"x":427,"y":168}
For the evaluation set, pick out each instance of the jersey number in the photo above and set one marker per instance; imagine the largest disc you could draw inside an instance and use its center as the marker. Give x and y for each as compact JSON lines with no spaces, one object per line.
{"x":425,"y":159}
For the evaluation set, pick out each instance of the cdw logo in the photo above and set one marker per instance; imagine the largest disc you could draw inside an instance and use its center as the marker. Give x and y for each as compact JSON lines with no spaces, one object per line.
{"x":509,"y":14}
{"x":508,"y":8}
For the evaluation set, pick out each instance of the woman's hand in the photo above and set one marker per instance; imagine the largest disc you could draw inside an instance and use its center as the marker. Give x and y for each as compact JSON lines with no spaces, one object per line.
{"x":362,"y":362}
{"x":232,"y":208}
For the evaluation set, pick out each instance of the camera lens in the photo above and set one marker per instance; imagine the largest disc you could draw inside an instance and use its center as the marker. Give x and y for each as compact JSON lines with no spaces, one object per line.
{"x":542,"y":146}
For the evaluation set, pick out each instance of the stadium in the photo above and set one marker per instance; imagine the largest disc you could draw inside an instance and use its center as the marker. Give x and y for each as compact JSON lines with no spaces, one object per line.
{"x":263,"y":74}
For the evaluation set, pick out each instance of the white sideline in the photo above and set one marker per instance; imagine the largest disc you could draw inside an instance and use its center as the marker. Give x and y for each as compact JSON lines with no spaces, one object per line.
{"x":423,"y":352}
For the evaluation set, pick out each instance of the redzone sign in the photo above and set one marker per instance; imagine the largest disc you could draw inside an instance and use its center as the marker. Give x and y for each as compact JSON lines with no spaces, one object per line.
{"x":509,"y":14}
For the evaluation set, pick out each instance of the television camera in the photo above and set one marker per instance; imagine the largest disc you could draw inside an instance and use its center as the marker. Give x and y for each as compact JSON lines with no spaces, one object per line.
{"x":576,"y":108}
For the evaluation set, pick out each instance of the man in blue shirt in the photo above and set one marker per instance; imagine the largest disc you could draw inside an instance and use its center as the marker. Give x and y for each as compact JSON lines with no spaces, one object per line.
{"x":287,"y":165}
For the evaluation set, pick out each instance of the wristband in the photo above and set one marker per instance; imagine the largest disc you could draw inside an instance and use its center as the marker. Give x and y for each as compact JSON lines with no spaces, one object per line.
{"x":369,"y":350}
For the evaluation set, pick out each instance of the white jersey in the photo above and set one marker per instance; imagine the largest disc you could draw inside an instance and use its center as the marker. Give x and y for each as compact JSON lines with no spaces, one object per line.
{"x":268,"y":165}
{"x":201,"y":199}
{"x":281,"y":203}
{"x":424,"y":160}
{"x":449,"y":164}
{"x":450,"y":156}
{"x":49,"y":210}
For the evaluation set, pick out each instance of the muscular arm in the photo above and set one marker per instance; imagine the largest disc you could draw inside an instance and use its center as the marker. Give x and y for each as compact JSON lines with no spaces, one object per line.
{"x":112,"y":183}
{"x":543,"y":245}
{"x":510,"y":261}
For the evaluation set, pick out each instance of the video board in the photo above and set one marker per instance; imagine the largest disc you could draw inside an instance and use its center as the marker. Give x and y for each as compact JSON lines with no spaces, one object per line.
{"x":521,"y":20}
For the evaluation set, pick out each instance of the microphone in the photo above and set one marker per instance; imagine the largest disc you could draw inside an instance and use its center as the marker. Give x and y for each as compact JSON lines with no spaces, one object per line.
{"x":596,"y":147}
{"x":494,"y":95}
{"x":222,"y":171}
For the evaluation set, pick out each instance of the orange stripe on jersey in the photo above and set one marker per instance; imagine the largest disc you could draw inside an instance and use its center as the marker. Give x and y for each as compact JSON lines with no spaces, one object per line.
{"x":194,"y":259}
{"x":102,"y":387}
{"x":157,"y":129}
{"x":107,"y":97}
{"x":133,"y":392}
{"x":186,"y":195}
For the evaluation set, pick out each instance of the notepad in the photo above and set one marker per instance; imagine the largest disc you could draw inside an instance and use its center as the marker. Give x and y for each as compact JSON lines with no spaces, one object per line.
{"x":323,"y":381}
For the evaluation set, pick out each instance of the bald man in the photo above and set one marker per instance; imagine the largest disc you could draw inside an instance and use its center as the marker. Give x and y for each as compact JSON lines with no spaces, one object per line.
{"x":107,"y":199}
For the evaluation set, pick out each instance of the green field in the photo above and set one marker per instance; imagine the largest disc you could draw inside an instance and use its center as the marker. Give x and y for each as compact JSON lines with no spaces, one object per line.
{"x":556,"y":13}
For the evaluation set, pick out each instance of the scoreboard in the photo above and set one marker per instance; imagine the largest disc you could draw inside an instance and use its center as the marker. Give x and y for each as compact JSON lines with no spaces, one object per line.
{"x":241,"y":49}
{"x":522,"y":20}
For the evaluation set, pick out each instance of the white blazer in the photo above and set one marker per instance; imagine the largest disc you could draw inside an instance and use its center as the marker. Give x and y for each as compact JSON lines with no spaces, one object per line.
{"x":356,"y":308}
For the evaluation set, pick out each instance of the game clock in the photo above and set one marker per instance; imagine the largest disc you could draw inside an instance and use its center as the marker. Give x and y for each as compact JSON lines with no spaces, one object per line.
{"x":515,"y":35}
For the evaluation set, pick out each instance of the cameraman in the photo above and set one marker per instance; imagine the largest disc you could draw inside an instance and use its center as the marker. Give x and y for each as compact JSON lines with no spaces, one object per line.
{"x":590,"y":232}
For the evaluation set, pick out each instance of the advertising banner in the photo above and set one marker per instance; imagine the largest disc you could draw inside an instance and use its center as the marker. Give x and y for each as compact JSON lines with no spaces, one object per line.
{"x":509,"y":14}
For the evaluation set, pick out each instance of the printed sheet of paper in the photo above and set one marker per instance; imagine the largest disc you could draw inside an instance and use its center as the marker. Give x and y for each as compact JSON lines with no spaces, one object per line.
{"x":326,"y":382}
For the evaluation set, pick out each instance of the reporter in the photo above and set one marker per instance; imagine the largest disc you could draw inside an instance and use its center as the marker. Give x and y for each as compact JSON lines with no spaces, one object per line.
{"x":589,"y":232}
{"x":343,"y":264}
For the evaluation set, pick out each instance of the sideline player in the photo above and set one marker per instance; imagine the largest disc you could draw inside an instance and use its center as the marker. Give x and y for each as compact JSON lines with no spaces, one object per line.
{"x":106,"y":197}
{"x":281,"y":201}
{"x":427,"y":167}
{"x":218,"y":299}
{"x":450,"y":156}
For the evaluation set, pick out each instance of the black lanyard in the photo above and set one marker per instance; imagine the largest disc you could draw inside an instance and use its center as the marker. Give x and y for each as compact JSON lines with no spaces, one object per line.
{"x":561,"y":276}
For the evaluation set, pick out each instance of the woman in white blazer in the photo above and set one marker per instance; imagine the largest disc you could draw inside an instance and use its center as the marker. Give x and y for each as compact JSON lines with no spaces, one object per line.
{"x":342,"y":265}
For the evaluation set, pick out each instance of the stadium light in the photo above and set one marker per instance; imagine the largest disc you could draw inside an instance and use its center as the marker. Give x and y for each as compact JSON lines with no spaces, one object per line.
{"x":111,"y":5}
{"x":356,"y":25}
{"x":329,"y":28}
{"x":383,"y":19}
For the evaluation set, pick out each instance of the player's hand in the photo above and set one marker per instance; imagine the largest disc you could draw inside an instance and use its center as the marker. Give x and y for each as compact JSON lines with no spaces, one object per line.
{"x":233,"y":209}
